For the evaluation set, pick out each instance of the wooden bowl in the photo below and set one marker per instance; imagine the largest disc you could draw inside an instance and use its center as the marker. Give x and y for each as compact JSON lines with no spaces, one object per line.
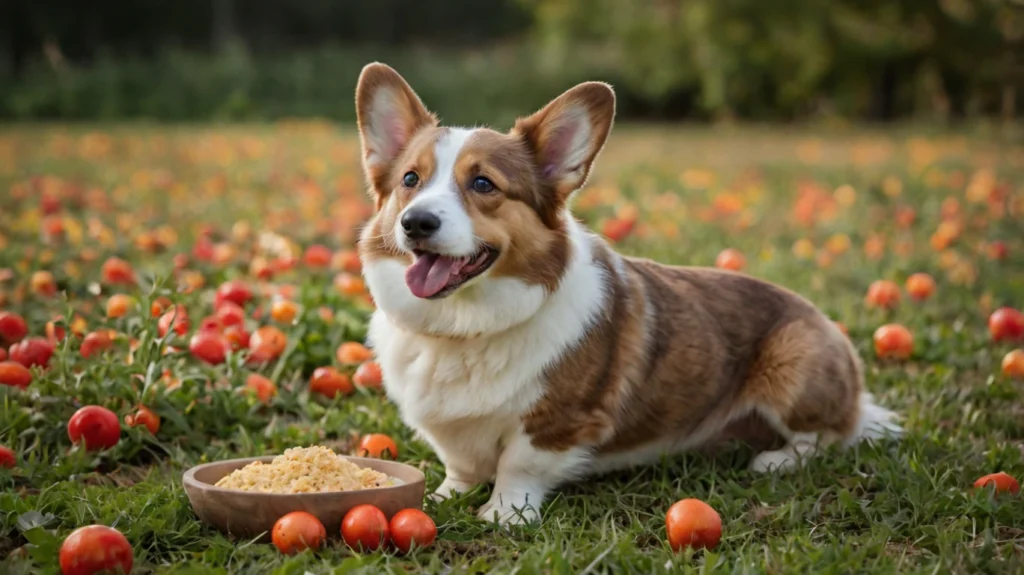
{"x":251,"y":514}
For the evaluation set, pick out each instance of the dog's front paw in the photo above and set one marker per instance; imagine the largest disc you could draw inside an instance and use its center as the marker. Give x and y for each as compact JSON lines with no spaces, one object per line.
{"x":507,"y":512}
{"x":449,"y":488}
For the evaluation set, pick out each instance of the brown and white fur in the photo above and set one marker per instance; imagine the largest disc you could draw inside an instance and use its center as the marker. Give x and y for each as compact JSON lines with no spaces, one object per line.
{"x":563,"y":358}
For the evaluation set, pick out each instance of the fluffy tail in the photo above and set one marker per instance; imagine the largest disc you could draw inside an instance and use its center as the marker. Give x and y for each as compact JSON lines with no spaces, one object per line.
{"x":876,"y":422}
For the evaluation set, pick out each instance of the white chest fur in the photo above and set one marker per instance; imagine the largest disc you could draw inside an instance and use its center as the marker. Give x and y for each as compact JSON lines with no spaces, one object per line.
{"x":467,"y":396}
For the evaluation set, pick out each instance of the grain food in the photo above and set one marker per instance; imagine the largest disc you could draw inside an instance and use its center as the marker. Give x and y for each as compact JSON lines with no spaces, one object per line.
{"x":304,"y":470}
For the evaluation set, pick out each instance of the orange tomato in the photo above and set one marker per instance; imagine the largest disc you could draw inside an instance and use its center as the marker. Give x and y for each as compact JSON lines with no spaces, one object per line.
{"x":118,"y":304}
{"x":379,"y":446}
{"x":349,"y":284}
{"x":117,"y":271}
{"x":329,"y":382}
{"x":95,"y":549}
{"x":893,"y":341}
{"x":1013,"y":364}
{"x":14,"y":374}
{"x":267,"y":344}
{"x":731,"y":259}
{"x":883,"y":293}
{"x":347,"y":261}
{"x":920,"y":286}
{"x":159,"y":306}
{"x":143,"y":416}
{"x":693,"y":523}
{"x":42,"y":283}
{"x":1003,"y":483}
{"x":364,"y":527}
{"x":236,"y":337}
{"x":368,"y":375}
{"x":54,"y":331}
{"x":284,"y":311}
{"x":412,"y":528}
{"x":298,"y":531}
{"x":262,"y":387}
{"x":353,"y":353}
{"x":1006,"y":323}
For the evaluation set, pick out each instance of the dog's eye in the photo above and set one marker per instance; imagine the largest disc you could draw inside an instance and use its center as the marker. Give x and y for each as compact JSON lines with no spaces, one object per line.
{"x":411,"y":179}
{"x":483,"y":185}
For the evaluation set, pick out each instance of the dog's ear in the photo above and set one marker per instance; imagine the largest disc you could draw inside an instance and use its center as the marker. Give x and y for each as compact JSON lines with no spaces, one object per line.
{"x":389,"y":113}
{"x":566,"y":135}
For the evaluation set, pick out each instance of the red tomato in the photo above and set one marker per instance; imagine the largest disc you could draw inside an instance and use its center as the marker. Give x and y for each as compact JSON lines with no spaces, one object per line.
{"x":3,"y":354}
{"x":175,"y":318}
{"x":95,"y":549}
{"x":95,"y":342}
{"x":209,"y":346}
{"x":14,"y":374}
{"x":230,"y":314}
{"x":211,"y":323}
{"x":1013,"y":364}
{"x":920,"y":286}
{"x":1002,"y":482}
{"x":261,"y":386}
{"x":353,"y":353}
{"x":379,"y":446}
{"x":883,"y":293}
{"x":117,"y":271}
{"x":7,"y":457}
{"x":144,"y":416}
{"x":412,"y":528}
{"x":266,"y":344}
{"x":234,"y":291}
{"x":318,"y":256}
{"x":893,"y":341}
{"x":329,"y":382}
{"x":97,"y":426}
{"x":693,"y":523}
{"x":616,"y":229}
{"x":731,"y":259}
{"x":12,"y":327}
{"x":1006,"y":323}
{"x":298,"y":531}
{"x":32,"y":351}
{"x":368,"y":375}
{"x":364,"y":527}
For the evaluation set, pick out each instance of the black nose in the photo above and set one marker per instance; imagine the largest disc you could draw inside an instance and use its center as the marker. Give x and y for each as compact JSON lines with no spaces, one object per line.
{"x":419,"y":224}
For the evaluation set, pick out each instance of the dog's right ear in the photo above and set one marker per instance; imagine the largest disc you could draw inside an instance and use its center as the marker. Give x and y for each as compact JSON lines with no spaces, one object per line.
{"x":389,"y":113}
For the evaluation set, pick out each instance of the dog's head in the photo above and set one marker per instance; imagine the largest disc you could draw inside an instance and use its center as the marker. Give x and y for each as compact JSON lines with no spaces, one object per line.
{"x":470,"y":218}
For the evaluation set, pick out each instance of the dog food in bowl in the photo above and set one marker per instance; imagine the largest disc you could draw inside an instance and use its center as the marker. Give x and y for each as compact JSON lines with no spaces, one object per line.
{"x":314,"y":469}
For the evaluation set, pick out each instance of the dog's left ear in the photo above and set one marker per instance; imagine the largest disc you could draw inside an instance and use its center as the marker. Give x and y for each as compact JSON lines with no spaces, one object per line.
{"x":566,"y":135}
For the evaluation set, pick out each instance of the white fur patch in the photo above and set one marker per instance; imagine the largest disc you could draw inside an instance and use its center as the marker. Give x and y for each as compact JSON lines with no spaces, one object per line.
{"x":468,"y":397}
{"x":441,"y":197}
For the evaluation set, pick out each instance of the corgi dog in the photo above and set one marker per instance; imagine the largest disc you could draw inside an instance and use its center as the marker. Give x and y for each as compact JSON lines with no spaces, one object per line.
{"x":528,"y":353}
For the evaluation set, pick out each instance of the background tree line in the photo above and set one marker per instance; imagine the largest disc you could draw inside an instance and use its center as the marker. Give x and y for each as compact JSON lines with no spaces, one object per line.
{"x":473,"y":59}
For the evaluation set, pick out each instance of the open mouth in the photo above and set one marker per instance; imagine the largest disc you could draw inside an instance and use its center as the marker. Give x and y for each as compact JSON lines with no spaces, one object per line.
{"x":434,"y":276}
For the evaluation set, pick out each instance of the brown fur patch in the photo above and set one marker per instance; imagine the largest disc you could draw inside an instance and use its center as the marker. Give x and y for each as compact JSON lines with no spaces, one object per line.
{"x":713,"y":345}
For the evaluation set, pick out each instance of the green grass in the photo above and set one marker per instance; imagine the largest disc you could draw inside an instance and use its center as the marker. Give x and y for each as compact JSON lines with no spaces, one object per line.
{"x":892,"y":507}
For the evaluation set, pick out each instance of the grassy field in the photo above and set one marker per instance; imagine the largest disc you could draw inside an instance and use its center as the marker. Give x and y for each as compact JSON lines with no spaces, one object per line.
{"x":825,"y":214}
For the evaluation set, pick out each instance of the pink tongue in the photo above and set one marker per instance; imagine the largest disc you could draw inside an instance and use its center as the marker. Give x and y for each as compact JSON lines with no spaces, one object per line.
{"x":429,"y":274}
